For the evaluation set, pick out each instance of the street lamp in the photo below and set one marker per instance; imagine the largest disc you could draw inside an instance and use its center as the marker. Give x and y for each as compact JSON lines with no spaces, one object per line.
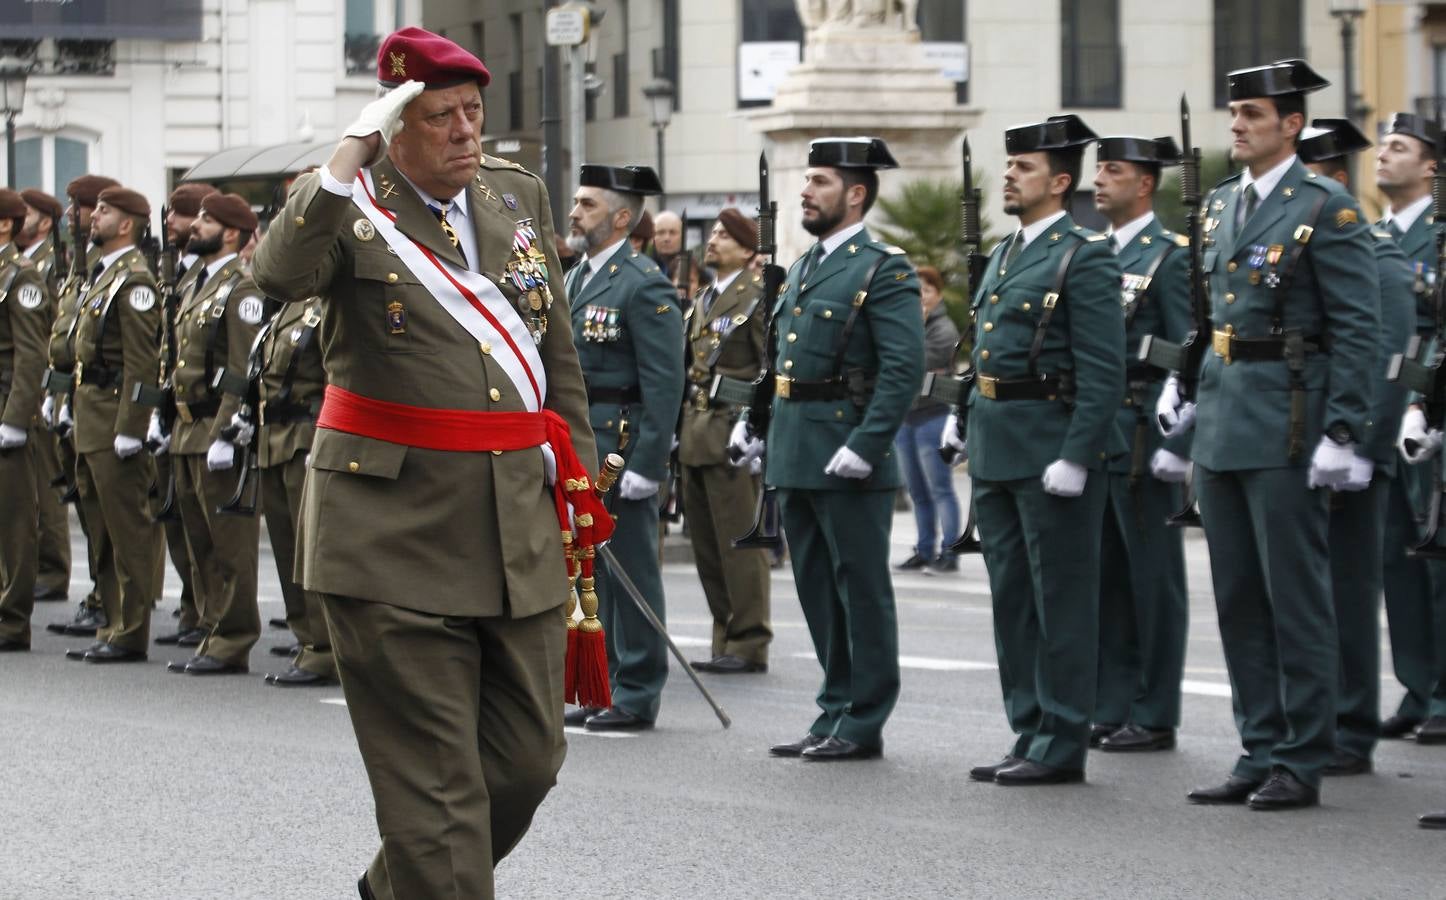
{"x":1347,"y":12}
{"x":13,"y":73}
{"x":659,"y":93}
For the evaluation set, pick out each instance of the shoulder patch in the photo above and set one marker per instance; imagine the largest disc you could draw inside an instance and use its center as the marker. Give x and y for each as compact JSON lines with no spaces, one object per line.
{"x":1180,"y":240}
{"x":30,"y":296}
{"x":250,"y":309}
{"x":142,"y":298}
{"x":1346,"y":217}
{"x":664,"y":308}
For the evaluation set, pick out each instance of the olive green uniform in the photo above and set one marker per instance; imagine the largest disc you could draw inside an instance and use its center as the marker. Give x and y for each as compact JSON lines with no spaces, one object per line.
{"x":53,"y":574}
{"x":175,"y":530}
{"x":629,"y":336}
{"x":725,"y":337}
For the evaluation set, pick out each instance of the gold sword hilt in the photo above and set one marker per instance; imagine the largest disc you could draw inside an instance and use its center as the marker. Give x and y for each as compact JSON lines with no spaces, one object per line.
{"x":611,"y":469}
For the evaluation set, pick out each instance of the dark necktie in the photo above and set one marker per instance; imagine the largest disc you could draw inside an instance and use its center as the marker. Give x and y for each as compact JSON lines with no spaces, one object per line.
{"x":810,"y":262}
{"x":1016,"y":246}
{"x":95,"y":272}
{"x":709,"y":296}
{"x":1394,"y":229}
{"x":200,"y":280}
{"x":441,"y":213}
{"x":1247,"y":206}
{"x":1116,"y":244}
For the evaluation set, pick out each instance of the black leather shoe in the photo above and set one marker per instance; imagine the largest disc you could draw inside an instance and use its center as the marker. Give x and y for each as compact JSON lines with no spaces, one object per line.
{"x":285,"y":650}
{"x":364,"y":889}
{"x":78,"y":653}
{"x":1398,"y":726}
{"x":1099,"y":732}
{"x":1137,"y":739}
{"x":728,"y":664}
{"x":294,"y":677}
{"x":1283,"y":790}
{"x":110,"y":653}
{"x":1432,"y":731}
{"x":916,"y":563}
{"x":835,"y":749}
{"x":86,"y":622}
{"x":210,"y":665}
{"x":1435,"y":820}
{"x":1028,"y":772}
{"x":49,"y":595}
{"x":278,"y":624}
{"x":578,"y":717}
{"x":1234,"y":790}
{"x":616,"y":719}
{"x":192,"y":638}
{"x":987,"y":773}
{"x":1343,"y":763}
{"x":182,"y":634}
{"x":178,"y":665}
{"x":9,"y":646}
{"x":797,"y":747}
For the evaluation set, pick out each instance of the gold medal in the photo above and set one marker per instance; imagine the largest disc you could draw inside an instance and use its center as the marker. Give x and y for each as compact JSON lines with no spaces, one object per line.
{"x":534,"y":299}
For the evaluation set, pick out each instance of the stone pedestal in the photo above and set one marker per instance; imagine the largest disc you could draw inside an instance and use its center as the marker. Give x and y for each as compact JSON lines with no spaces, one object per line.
{"x":859,"y":81}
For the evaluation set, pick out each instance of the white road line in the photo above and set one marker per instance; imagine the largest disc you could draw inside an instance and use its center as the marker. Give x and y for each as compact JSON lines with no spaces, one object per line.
{"x":335,"y":701}
{"x":1205,"y":688}
{"x":578,"y":729}
{"x":929,"y":663}
{"x":683,"y":640}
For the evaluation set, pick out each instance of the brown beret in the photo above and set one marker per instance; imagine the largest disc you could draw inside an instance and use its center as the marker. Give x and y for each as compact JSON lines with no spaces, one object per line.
{"x":186,"y":198}
{"x":86,"y":189}
{"x":644,"y":231}
{"x":231,"y":210}
{"x":126,"y":200}
{"x":12,"y":205}
{"x":43,"y":203}
{"x":739,"y":227}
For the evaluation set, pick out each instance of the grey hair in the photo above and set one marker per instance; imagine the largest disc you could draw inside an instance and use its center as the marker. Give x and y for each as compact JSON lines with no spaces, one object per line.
{"x":630,"y":202}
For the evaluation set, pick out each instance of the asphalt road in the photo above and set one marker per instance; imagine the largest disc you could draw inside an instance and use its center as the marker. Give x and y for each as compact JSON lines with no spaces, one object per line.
{"x":129,"y":782}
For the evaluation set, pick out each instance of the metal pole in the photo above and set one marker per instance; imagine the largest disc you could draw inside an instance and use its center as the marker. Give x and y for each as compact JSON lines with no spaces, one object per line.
{"x":10,"y":152}
{"x":663,"y":198}
{"x":552,"y":170}
{"x":1348,"y":81}
{"x":577,"y":115}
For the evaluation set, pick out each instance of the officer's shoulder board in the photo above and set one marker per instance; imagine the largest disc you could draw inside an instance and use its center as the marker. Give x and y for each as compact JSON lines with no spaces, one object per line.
{"x":1084,"y":234}
{"x":890,"y":249}
{"x":1381,"y":234}
{"x":645,"y":264}
{"x":497,"y":163}
{"x":1179,"y":239}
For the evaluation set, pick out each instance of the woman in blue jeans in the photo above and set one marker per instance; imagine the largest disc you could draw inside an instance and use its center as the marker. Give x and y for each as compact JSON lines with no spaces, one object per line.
{"x":931,"y":482}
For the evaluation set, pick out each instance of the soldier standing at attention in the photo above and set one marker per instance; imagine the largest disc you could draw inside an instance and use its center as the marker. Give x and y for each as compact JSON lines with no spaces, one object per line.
{"x":1049,"y":350}
{"x":441,"y":467}
{"x":25,"y":312}
{"x":725,"y":337}
{"x":629,"y":336}
{"x":1284,"y":405}
{"x":849,"y":357}
{"x":1144,"y":604}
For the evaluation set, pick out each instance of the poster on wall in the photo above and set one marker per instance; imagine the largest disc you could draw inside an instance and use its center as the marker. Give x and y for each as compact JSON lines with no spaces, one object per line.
{"x":101,"y":20}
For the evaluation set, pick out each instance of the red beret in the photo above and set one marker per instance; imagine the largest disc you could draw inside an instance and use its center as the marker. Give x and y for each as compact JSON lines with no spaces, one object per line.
{"x":231,"y":210}
{"x":43,"y":203}
{"x":85,"y":189}
{"x":126,"y":200}
{"x":186,"y":199}
{"x":416,"y":54}
{"x":739,"y":227}
{"x":12,"y":205}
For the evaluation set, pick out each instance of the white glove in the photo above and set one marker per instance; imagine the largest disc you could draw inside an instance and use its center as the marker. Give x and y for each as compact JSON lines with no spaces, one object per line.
{"x":126,"y":446}
{"x":633,"y":486}
{"x":1064,"y":478}
{"x":756,"y":466}
{"x":47,"y":410}
{"x":221,"y":455}
{"x":742,"y":441}
{"x":848,"y":464}
{"x":245,"y":429}
{"x":11,"y":437}
{"x":1360,"y":476}
{"x":549,"y":465}
{"x":382,"y":116}
{"x":64,"y":422}
{"x":950,"y":443}
{"x":1417,"y":442}
{"x":1169,"y":467}
{"x":156,"y":439}
{"x":1330,"y":465}
{"x":1173,"y":416}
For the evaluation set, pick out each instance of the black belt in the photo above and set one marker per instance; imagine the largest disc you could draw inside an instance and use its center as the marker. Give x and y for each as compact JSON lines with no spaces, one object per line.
{"x":620,"y":396}
{"x":285,"y":413}
{"x":1144,"y":374}
{"x":793,"y":389}
{"x":1007,"y":389}
{"x":201,"y":409}
{"x":100,"y":376}
{"x":1231,"y":347}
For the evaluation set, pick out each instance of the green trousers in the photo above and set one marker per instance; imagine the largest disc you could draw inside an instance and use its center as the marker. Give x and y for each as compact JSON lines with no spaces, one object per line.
{"x":225,"y":548}
{"x":53,"y":574}
{"x":92,"y":524}
{"x":118,"y":490}
{"x":281,"y":503}
{"x":1356,"y":542}
{"x":1043,"y":557}
{"x":18,"y":543}
{"x":459,"y":723}
{"x":177,"y":548}
{"x":637,"y":654}
{"x":839,"y":545}
{"x":1268,"y":538}
{"x":719,"y":502}
{"x":1410,"y":591}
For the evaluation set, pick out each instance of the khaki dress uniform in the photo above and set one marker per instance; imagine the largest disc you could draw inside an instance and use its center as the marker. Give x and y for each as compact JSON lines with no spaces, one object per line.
{"x":52,"y":578}
{"x":179,"y":551}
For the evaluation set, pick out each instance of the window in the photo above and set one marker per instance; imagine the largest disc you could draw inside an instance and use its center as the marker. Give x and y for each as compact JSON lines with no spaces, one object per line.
{"x":620,"y":65}
{"x":1248,"y":33}
{"x":941,"y":29}
{"x":1090,"y":70}
{"x":515,"y":101}
{"x":361,"y":40}
{"x":770,"y":44}
{"x":50,"y":162}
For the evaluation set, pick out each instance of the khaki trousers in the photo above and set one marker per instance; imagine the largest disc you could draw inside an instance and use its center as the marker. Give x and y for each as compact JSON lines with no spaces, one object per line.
{"x":281,"y":501}
{"x":117,"y":493}
{"x":225,"y":549}
{"x":719,"y":502}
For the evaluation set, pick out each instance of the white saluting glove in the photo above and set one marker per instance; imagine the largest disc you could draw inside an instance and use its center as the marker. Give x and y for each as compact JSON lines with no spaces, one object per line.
{"x":848,"y":464}
{"x":1330,"y":465}
{"x":125,"y":446}
{"x":1417,"y":442}
{"x":954,"y":447}
{"x":1360,"y":475}
{"x":549,"y":465}
{"x":743,"y":445}
{"x":11,"y":437}
{"x":1169,"y":467}
{"x":221,"y":455}
{"x":1064,"y":478}
{"x":1173,"y":416}
{"x":156,"y":439}
{"x":244,"y":427}
{"x":633,"y":486}
{"x":382,"y":116}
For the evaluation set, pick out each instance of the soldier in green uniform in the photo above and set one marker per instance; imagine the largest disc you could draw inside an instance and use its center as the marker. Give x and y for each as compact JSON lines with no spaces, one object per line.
{"x":1358,"y":510}
{"x":1284,"y":408}
{"x":1144,"y":604}
{"x":1049,"y":350}
{"x":725,"y":337}
{"x":25,"y":313}
{"x":848,"y":358}
{"x":629,"y":336}
{"x":430,"y":521}
{"x":116,"y":348}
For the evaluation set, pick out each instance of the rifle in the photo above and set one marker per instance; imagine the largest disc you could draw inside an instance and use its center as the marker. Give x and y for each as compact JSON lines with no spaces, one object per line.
{"x":672,"y":509}
{"x":162,"y":397}
{"x":248,"y":388}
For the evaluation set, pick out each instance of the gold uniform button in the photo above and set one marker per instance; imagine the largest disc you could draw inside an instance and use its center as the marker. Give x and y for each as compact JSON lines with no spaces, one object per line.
{"x":1229,"y":298}
{"x":988,"y":326}
{"x":486,"y":348}
{"x":181,"y":364}
{"x":391,"y":278}
{"x":1233,"y":266}
{"x":495,"y":395}
{"x":788,"y":363}
{"x":353,"y":466}
{"x":838,"y":414}
{"x":798,"y":310}
{"x":828,"y":314}
{"x":1026,"y":307}
{"x":993,"y":298}
{"x":300,"y":221}
{"x":792,"y":337}
{"x":983,"y":354}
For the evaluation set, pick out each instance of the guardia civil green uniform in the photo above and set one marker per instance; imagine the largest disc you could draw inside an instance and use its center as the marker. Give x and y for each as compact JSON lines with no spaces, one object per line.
{"x":1144,"y":603}
{"x":849,"y":358}
{"x":629,"y":336}
{"x":52,"y":577}
{"x":1029,"y":408}
{"x":1300,"y":268}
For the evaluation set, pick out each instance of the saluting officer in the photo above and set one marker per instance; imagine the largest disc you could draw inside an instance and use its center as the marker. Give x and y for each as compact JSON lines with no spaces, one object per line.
{"x":116,"y":348}
{"x":216,"y":323}
{"x":1049,"y":350}
{"x":1144,"y":604}
{"x":1358,"y":510}
{"x":849,"y":357}
{"x":725,"y":337}
{"x":1284,"y":405}
{"x":25,"y":312}
{"x":629,"y":336}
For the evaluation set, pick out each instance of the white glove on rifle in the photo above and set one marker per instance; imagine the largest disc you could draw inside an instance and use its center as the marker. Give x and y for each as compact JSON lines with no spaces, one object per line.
{"x":756,"y":467}
{"x":633,"y":486}
{"x":64,"y":422}
{"x":245,"y":429}
{"x":1417,"y":442}
{"x":11,"y":437}
{"x":1360,"y":475}
{"x":1330,"y":465}
{"x":1064,"y":478}
{"x":47,"y":410}
{"x":848,"y":464}
{"x":221,"y":455}
{"x":125,"y":446}
{"x":951,"y":446}
{"x":743,"y":446}
{"x":1173,"y":416}
{"x":381,"y":116}
{"x":156,"y":439}
{"x":1170,"y":467}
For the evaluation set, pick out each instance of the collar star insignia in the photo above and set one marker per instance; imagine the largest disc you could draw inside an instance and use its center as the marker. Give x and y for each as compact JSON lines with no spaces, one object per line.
{"x":486,"y":191}
{"x":1289,"y":192}
{"x":1054,"y":235}
{"x":1145,"y":240}
{"x":612,"y":268}
{"x":853,"y":248}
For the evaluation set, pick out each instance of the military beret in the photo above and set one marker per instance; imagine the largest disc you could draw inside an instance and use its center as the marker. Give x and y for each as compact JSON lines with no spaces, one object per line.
{"x":644,"y":231}
{"x":85,"y":189}
{"x":1330,"y":139}
{"x":1054,"y":133}
{"x":12,"y":205}
{"x":739,"y":227}
{"x":43,"y":203}
{"x":416,"y":54}
{"x":231,"y":210}
{"x":1153,"y":152}
{"x":1278,"y":79}
{"x":640,"y":180}
{"x":851,"y":153}
{"x":186,"y":199}
{"x":125,"y":200}
{"x":1412,"y":125}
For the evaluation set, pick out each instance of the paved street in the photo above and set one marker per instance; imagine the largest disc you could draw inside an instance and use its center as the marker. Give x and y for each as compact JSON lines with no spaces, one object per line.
{"x":129,"y":782}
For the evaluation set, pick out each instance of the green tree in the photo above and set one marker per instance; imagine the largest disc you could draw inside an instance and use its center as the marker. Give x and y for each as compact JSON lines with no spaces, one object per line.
{"x":1215,"y":167}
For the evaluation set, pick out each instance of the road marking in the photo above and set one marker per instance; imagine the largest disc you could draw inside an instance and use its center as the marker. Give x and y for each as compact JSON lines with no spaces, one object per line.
{"x":1205,"y":688}
{"x":929,"y":663}
{"x":578,"y":729}
{"x":335,"y":701}
{"x":682,"y":640}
